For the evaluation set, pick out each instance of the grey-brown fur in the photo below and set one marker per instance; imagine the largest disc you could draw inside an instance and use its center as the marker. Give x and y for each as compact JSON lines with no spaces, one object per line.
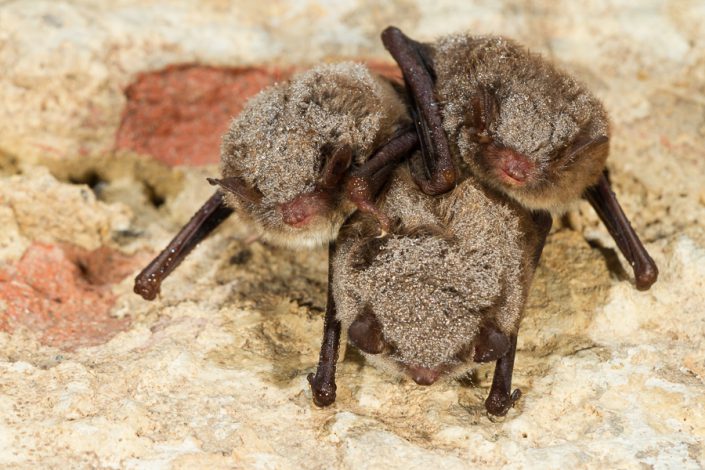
{"x":541,"y":112}
{"x":450,"y":264}
{"x":280,"y":141}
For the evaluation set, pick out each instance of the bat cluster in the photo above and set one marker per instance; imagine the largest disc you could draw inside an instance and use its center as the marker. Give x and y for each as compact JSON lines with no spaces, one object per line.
{"x":434,"y":196}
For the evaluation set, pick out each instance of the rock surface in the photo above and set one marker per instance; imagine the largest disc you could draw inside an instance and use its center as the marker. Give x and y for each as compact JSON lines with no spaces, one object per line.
{"x":213,"y":373}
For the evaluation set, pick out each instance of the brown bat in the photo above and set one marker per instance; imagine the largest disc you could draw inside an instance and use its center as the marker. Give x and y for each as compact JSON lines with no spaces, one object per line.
{"x":444,"y":289}
{"x":298,"y":160}
{"x":520,"y":124}
{"x":305,"y":154}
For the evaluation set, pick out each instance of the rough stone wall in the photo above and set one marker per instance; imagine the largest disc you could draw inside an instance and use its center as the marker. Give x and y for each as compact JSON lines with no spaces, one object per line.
{"x":212,"y":374}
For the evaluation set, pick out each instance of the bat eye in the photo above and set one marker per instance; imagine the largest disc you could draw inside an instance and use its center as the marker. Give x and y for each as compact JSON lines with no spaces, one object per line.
{"x":365,"y":333}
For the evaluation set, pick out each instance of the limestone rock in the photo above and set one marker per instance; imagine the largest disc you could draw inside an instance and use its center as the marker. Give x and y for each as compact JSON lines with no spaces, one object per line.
{"x":212,"y":374}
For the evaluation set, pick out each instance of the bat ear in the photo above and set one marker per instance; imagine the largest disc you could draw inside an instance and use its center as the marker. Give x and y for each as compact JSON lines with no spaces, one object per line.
{"x":585,"y":144}
{"x":490,"y":345}
{"x":336,"y":166}
{"x":485,"y":109}
{"x":490,"y":108}
{"x":365,"y":333}
{"x":239,"y":188}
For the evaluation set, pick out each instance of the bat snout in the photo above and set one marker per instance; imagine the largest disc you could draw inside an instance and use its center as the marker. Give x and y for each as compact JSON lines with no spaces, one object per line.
{"x":516,"y":169}
{"x":513,"y":168}
{"x":424,"y":375}
{"x":303,"y":209}
{"x":295,"y":217}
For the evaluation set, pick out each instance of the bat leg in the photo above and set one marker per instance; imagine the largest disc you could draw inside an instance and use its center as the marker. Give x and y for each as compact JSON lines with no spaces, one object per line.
{"x":323,"y":382}
{"x":543,"y":222}
{"x":501,"y":398}
{"x":416,"y":66}
{"x":605,"y":203}
{"x":365,"y":182}
{"x":203,"y":222}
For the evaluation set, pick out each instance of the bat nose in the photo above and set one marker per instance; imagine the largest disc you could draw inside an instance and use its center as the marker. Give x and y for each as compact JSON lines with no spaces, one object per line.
{"x":302,"y":209}
{"x":424,"y":375}
{"x":295,"y":215}
{"x":516,"y":166}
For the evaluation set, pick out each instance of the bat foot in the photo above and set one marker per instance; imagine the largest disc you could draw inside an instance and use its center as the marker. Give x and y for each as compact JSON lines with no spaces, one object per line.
{"x":498,"y":404}
{"x":646,"y":276}
{"x":323,"y":392}
{"x":361,"y":193}
{"x":146,"y":288}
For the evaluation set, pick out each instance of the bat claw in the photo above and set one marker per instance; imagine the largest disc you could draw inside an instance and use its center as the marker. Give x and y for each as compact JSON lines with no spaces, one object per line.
{"x":323,"y":393}
{"x":516,"y":395}
{"x":499,"y":404}
{"x":646,"y":276}
{"x":146,"y":287}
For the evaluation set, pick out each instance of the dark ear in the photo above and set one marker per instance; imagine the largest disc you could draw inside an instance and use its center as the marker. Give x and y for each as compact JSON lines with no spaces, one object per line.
{"x":490,"y":345}
{"x":490,"y":107}
{"x":239,"y":188}
{"x":585,"y":144}
{"x":336,"y":166}
{"x":485,"y":109}
{"x":365,"y":333}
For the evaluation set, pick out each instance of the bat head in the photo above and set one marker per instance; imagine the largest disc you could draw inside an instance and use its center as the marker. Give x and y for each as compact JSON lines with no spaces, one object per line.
{"x":544,"y":150}
{"x":521,"y":124}
{"x":284,"y":158}
{"x":309,"y":218}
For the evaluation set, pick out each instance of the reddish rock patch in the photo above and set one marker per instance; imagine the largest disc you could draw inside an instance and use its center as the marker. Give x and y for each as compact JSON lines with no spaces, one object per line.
{"x":63,"y":293}
{"x":179,"y":114}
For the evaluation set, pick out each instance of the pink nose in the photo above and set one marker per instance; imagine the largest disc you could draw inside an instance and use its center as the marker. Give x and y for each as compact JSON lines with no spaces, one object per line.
{"x":515,"y":167}
{"x":295,"y":215}
{"x":424,"y":375}
{"x":299,"y":211}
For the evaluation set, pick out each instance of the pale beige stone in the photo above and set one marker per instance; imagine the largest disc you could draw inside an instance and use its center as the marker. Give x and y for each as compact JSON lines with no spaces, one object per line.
{"x":48,"y":211}
{"x":212,"y":374}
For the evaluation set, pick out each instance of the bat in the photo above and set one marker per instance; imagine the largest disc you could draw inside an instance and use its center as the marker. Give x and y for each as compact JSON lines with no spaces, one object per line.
{"x":520,"y":124}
